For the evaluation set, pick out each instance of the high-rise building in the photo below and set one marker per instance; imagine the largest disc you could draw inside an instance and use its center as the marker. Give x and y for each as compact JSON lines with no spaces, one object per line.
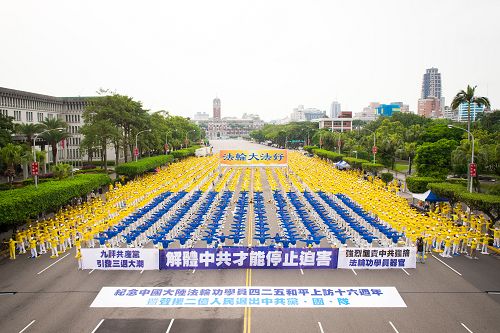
{"x":334,"y":109}
{"x":216,"y":108}
{"x":431,"y":84}
{"x":431,"y":103}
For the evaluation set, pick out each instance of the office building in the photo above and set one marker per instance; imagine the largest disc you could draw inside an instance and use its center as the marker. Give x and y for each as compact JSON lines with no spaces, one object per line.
{"x":388,"y":110}
{"x":32,"y":108}
{"x":475,"y":111}
{"x":306,"y":114}
{"x":431,"y":103}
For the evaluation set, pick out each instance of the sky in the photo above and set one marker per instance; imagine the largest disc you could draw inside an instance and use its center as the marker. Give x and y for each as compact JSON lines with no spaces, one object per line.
{"x":263,"y":57}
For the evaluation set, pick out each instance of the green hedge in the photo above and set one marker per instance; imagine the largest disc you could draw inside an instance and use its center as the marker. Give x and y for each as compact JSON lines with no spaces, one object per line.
{"x":372,"y":167}
{"x":186,"y":152}
{"x":16,"y":206}
{"x":309,"y":149}
{"x":449,"y":191}
{"x":355,"y":163}
{"x":132,"y":169}
{"x":419,"y":184}
{"x":330,"y":155}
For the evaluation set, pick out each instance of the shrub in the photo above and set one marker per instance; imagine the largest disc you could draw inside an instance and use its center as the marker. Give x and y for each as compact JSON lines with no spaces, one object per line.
{"x":133,"y":169}
{"x":309,"y":149}
{"x":16,"y":206}
{"x":355,"y":163}
{"x":95,"y":170}
{"x":183,"y":153}
{"x":387,"y":177}
{"x":330,"y":155}
{"x":419,"y":184}
{"x":62,"y":170}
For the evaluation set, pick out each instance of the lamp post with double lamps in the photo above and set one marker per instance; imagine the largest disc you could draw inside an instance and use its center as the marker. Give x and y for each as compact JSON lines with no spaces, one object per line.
{"x":136,"y":152}
{"x":59,"y":129}
{"x":472,"y":154}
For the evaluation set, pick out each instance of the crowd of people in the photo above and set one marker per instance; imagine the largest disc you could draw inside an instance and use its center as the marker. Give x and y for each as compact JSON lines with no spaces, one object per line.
{"x":83,"y":224}
{"x":442,"y":232}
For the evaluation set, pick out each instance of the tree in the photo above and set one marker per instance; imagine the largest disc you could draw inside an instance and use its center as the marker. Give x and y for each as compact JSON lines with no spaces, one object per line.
{"x":433,"y":158}
{"x":54,"y":136}
{"x":29,"y":131}
{"x":389,"y":139}
{"x":123,"y":112}
{"x":99,"y":134}
{"x":6,"y":129}
{"x":490,"y":121}
{"x":467,"y":96}
{"x":11,"y":156}
{"x":410,"y":150}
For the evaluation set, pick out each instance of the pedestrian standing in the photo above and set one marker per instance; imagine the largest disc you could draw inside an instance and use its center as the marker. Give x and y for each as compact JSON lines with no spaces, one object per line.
{"x":420,"y":250}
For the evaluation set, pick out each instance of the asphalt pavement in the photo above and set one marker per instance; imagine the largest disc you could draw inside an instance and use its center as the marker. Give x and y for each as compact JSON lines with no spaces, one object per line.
{"x":442,"y":295}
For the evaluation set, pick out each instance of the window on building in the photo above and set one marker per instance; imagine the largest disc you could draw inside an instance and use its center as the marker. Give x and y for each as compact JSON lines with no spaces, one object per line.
{"x":40,"y":117}
{"x":17,"y":115}
{"x":5,"y":112}
{"x":29,"y":116}
{"x":50,"y":116}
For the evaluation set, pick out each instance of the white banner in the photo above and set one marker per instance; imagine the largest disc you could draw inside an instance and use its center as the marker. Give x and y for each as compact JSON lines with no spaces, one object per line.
{"x":120,"y":258}
{"x":377,"y":258}
{"x":267,"y":297}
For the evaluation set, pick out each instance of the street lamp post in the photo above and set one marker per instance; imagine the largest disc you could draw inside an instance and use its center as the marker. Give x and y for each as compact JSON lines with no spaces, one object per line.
{"x":60,"y":129}
{"x":472,"y":155}
{"x":136,"y":147}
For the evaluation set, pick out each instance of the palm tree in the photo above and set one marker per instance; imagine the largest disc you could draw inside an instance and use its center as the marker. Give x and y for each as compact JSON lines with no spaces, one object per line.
{"x":11,"y":156}
{"x":469,"y":98}
{"x":54,"y":136}
{"x":28,"y":130}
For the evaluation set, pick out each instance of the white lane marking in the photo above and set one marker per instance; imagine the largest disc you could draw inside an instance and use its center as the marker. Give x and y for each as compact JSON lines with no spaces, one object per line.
{"x":142,"y":271}
{"x":301,"y":271}
{"x":91,"y":271}
{"x":43,"y":270}
{"x":170,"y":325}
{"x":24,"y":329}
{"x":446,"y":265}
{"x":393,"y":327}
{"x":404,"y":270}
{"x":194,"y":270}
{"x":354,"y":271}
{"x":320,"y":327}
{"x":468,"y":329}
{"x":95,"y":329}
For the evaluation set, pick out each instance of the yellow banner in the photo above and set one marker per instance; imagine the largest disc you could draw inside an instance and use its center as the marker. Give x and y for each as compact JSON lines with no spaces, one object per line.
{"x":268,"y":157}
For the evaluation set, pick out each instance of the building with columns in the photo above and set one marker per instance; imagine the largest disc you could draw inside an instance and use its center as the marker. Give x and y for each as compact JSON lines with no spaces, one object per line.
{"x":218,"y":127}
{"x":27,"y":107}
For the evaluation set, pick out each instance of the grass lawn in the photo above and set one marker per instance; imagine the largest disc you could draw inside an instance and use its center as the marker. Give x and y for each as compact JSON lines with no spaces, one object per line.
{"x":401,"y":167}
